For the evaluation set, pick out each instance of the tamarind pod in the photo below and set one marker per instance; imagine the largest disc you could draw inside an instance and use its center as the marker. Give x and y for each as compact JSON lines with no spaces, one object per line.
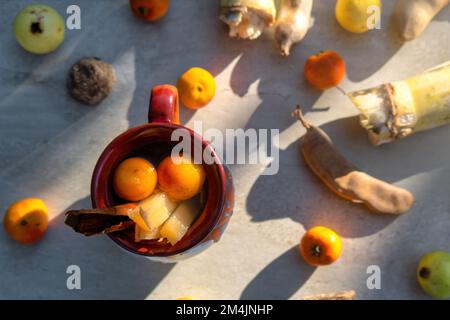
{"x":345,"y":179}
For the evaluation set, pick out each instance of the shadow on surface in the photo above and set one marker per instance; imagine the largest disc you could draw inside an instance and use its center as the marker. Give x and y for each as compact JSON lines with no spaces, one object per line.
{"x":280,"y":279}
{"x":124,"y":275}
{"x":302,"y":197}
{"x":376,"y":46}
{"x":107,"y":272}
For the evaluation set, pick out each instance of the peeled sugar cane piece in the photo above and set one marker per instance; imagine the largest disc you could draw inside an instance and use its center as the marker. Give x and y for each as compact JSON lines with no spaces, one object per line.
{"x":413,"y":16}
{"x":294,"y":21}
{"x":402,"y":108}
{"x":136,"y":216}
{"x":247,"y":19}
{"x":156,"y":209}
{"x":141,"y":234}
{"x":181,"y":219}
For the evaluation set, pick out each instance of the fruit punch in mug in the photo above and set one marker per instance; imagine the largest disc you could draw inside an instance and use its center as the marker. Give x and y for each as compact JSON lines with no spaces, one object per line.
{"x":152,"y":203}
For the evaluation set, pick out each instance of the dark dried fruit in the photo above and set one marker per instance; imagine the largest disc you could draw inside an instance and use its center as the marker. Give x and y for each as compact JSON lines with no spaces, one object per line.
{"x":91,"y":80}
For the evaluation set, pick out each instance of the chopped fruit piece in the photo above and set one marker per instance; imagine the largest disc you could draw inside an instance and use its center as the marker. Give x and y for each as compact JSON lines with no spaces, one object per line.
{"x":136,"y":216}
{"x":181,"y":219}
{"x":156,"y":209}
{"x":141,"y":234}
{"x":135,"y":179}
{"x":180,"y":178}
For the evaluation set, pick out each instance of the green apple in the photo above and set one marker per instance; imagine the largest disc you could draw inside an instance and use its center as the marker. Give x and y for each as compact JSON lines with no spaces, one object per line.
{"x":433,"y":274}
{"x":39,"y":29}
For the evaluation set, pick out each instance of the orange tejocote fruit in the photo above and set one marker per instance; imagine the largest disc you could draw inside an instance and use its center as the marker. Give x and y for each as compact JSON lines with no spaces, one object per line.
{"x":150,"y":10}
{"x":197,"y":87}
{"x":135,"y":179}
{"x":26,"y":220}
{"x":320,"y":246}
{"x":180,"y":178}
{"x":325,"y":70}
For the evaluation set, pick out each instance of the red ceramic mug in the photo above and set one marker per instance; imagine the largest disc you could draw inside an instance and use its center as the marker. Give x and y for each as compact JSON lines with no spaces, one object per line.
{"x":154,"y":139}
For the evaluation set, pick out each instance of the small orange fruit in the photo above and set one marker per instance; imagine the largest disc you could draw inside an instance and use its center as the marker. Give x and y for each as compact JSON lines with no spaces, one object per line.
{"x":26,"y":220}
{"x":320,"y":246}
{"x":135,"y":179}
{"x":325,"y":70}
{"x":197,"y":88}
{"x":150,"y":10}
{"x":180,"y":178}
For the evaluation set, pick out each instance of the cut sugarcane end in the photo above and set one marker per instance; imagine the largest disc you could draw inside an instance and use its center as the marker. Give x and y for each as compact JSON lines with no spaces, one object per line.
{"x":175,"y":228}
{"x":386,"y":112}
{"x":416,"y":104}
{"x":374,"y":113}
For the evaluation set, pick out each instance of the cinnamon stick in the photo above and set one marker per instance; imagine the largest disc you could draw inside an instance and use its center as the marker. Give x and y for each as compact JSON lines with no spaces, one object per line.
{"x":94,"y":221}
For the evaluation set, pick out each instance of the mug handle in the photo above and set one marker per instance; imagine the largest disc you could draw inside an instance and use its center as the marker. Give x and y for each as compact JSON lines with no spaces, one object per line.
{"x":164,"y":105}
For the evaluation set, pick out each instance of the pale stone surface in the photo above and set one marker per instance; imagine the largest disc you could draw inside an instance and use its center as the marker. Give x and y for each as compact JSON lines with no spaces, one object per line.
{"x":49,"y":145}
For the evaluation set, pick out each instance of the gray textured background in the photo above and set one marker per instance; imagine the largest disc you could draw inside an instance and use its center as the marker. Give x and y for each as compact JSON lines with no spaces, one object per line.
{"x":50,"y":143}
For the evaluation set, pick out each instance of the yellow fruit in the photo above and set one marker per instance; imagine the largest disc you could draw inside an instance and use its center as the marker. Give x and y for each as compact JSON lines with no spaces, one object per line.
{"x":135,"y":179}
{"x":180,"y":178}
{"x":197,"y":88}
{"x":356,"y":15}
{"x":26,"y":220}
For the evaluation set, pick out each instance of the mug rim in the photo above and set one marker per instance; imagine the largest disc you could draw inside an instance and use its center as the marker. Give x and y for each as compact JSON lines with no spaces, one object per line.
{"x":131,"y":132}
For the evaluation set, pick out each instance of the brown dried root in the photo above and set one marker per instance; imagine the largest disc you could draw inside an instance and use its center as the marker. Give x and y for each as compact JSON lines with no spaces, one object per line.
{"x":91,"y":80}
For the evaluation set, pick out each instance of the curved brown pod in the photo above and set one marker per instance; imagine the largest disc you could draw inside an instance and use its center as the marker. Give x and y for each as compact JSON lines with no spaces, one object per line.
{"x":345,"y":179}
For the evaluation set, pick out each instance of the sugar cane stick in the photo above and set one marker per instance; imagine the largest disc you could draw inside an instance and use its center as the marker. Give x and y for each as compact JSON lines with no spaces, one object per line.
{"x":399,"y":109}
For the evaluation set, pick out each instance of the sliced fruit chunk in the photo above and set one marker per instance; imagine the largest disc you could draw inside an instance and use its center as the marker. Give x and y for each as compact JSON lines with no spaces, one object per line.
{"x":156,"y":209}
{"x":136,"y":216}
{"x":141,"y":234}
{"x":181,"y":219}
